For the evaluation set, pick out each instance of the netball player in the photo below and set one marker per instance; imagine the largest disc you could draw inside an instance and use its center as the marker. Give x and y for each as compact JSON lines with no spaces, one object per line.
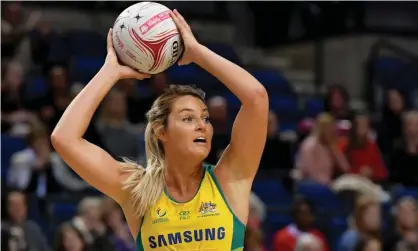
{"x":176,"y":202}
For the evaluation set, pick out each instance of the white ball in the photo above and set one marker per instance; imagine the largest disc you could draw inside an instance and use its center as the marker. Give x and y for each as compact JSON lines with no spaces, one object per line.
{"x":146,"y":38}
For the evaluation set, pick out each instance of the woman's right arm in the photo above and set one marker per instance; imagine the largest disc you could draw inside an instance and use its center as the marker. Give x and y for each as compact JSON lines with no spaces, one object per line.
{"x":89,"y":161}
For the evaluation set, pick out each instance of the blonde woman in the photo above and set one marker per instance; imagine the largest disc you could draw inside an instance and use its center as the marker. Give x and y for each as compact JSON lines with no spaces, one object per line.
{"x":176,"y":202}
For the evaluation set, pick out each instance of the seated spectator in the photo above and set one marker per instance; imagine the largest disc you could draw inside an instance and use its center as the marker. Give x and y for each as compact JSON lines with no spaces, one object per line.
{"x":409,"y":243}
{"x":117,"y":229}
{"x":23,"y":234}
{"x":137,"y":105}
{"x":366,"y":223}
{"x":365,"y":244}
{"x":404,"y":157}
{"x":362,"y":152}
{"x":118,"y":135}
{"x":253,"y":240}
{"x":406,"y":223}
{"x":52,"y":104}
{"x":70,"y":239}
{"x":390,"y":128}
{"x":336,"y":102}
{"x":308,"y":242}
{"x":258,"y":212}
{"x":303,"y":216}
{"x":37,"y":169}
{"x":15,"y":105}
{"x":277,"y":153}
{"x":218,"y":110}
{"x":319,"y":158}
{"x":88,"y":223}
{"x":14,"y":27}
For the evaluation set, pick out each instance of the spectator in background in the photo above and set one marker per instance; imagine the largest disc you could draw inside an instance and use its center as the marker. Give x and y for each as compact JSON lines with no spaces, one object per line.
{"x":302,"y":212}
{"x":309,"y":242}
{"x":37,"y":169}
{"x":365,"y":244}
{"x":257,"y":213}
{"x":366,"y":224}
{"x":116,"y":132}
{"x":276,"y":149}
{"x":70,"y":239}
{"x":25,"y":233}
{"x":14,"y":29}
{"x":218,"y":110}
{"x":362,"y":153}
{"x":404,"y":157}
{"x":390,"y":128}
{"x":336,"y":102}
{"x":138,"y":107}
{"x":406,"y":224}
{"x":130,"y":89}
{"x":88,"y":223}
{"x":14,"y":104}
{"x":52,"y":105}
{"x":253,"y":240}
{"x":319,"y":157}
{"x":117,"y":229}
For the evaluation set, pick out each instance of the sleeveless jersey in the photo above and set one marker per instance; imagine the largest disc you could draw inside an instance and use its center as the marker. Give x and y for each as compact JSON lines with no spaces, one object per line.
{"x":204,"y":223}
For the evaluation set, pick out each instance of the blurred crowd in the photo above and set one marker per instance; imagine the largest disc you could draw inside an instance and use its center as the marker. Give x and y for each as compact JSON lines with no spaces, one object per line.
{"x":344,"y":150}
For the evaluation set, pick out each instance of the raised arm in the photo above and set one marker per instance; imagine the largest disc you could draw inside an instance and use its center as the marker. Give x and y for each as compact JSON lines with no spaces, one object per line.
{"x":249,"y":132}
{"x":92,"y":163}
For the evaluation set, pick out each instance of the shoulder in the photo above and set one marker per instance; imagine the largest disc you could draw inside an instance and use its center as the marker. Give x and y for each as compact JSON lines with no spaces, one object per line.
{"x":349,"y":237}
{"x":309,"y":143}
{"x":282,"y":235}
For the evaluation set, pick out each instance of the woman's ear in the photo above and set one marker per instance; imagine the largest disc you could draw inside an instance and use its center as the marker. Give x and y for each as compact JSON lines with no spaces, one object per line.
{"x":159,"y":132}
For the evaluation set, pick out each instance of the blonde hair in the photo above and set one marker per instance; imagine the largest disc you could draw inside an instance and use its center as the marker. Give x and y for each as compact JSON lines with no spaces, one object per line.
{"x":147,"y":184}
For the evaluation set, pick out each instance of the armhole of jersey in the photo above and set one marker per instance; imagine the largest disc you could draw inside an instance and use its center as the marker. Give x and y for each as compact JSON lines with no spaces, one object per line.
{"x":139,"y":245}
{"x":239,"y":227}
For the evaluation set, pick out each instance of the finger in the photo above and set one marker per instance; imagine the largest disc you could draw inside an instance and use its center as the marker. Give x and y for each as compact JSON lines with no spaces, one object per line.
{"x":131,"y":73}
{"x":182,"y":20}
{"x":109,"y":40}
{"x":178,"y":23}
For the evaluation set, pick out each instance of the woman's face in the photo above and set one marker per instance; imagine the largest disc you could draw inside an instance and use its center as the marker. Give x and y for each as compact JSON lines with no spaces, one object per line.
{"x":71,"y":240}
{"x":337,"y":99}
{"x":371,"y":217}
{"x":407,"y":214}
{"x":373,"y":245}
{"x":362,"y":126}
{"x":188,"y":131}
{"x":395,"y":101}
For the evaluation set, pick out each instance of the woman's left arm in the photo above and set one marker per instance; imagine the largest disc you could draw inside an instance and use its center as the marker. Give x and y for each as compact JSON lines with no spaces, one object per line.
{"x":249,"y":131}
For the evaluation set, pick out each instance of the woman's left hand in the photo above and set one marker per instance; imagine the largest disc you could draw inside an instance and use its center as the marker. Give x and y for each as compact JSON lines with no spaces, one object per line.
{"x":191,"y":45}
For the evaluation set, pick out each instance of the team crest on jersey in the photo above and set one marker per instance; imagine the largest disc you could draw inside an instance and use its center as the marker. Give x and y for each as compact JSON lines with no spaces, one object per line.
{"x":161,"y":216}
{"x":161,"y":212}
{"x":207,"y":208}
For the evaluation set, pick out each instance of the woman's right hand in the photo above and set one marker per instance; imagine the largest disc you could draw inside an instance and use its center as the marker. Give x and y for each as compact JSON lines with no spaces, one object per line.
{"x":112,"y":64}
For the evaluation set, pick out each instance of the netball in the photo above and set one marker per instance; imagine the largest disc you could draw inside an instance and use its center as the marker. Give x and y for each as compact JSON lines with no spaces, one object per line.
{"x":146,"y":38}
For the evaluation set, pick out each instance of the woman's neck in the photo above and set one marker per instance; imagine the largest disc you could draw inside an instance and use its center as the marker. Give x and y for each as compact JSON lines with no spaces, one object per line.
{"x":183,"y":176}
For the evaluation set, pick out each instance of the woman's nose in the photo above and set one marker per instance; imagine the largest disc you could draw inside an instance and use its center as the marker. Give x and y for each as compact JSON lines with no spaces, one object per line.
{"x":200,"y":125}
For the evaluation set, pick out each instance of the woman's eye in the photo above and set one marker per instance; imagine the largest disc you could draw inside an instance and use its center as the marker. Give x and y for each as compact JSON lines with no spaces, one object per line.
{"x":207,"y":120}
{"x":187,"y":119}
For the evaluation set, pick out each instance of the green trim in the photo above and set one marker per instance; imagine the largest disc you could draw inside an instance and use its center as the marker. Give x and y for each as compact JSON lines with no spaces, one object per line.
{"x":238,"y":226}
{"x":139,"y":245}
{"x":194,"y":196}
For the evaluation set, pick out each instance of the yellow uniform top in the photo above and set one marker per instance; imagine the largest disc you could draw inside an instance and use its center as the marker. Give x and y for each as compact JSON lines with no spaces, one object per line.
{"x":204,"y":223}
